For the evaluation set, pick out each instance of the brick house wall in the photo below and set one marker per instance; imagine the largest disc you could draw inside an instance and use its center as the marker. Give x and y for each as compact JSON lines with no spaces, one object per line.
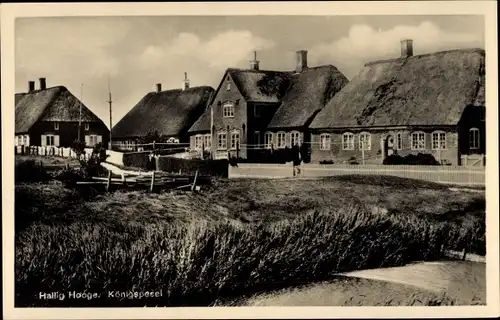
{"x":376,"y":153}
{"x":67,"y":132}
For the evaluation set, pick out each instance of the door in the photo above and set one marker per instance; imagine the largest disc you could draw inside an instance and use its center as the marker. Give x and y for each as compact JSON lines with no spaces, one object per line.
{"x":388,"y":146}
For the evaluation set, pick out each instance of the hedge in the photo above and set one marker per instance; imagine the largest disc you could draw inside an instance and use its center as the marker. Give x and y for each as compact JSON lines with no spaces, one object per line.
{"x":219,"y":168}
{"x":137,"y":160}
{"x":411,"y":159}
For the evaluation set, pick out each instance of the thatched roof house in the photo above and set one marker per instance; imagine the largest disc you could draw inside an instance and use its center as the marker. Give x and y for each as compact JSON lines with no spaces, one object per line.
{"x":169,"y":113}
{"x":55,"y":117}
{"x":428,"y":89}
{"x":307,"y":94}
{"x":55,"y":104}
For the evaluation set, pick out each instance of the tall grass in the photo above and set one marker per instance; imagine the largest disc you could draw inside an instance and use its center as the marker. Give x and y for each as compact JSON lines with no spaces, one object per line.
{"x":196,"y":263}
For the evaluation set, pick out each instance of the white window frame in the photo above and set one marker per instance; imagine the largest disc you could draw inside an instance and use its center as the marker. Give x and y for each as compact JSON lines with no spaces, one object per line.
{"x":56,"y":125}
{"x":281,"y":143}
{"x":420,"y":142}
{"x":348,"y":141}
{"x":235,"y":142}
{"x":368,"y":142}
{"x":268,"y":140}
{"x":256,"y":138}
{"x":325,"y":141}
{"x":198,"y":141}
{"x":87,"y":126}
{"x":228,"y":86}
{"x":399,"y":141}
{"x":220,"y":145}
{"x":438,"y":137}
{"x":208,"y":141}
{"x":93,"y":139}
{"x":475,"y":142}
{"x":49,"y":137}
{"x":228,"y":110}
{"x":295,"y":138}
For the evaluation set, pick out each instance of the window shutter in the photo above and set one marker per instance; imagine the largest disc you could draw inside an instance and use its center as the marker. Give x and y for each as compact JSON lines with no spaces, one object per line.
{"x":44,"y":140}
{"x":56,"y":140}
{"x":99,"y":139}
{"x":87,"y":141}
{"x":27,"y":139}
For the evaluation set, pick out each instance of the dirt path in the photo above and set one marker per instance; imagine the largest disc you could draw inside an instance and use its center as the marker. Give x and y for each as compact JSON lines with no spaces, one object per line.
{"x":408,"y":285}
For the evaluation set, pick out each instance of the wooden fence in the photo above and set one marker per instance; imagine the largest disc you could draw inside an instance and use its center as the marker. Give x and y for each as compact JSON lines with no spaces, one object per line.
{"x":440,"y":174}
{"x":51,"y":151}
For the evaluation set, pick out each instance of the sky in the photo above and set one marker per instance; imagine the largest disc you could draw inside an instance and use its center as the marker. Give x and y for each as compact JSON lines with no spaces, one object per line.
{"x":135,"y":53}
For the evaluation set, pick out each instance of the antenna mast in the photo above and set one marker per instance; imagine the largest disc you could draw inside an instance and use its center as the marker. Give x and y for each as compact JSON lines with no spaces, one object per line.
{"x":80,"y":118}
{"x":110,"y":101}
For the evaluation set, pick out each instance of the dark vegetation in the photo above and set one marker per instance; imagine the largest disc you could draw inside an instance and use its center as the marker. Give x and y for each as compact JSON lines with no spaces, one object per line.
{"x":411,"y":159}
{"x":235,"y":238}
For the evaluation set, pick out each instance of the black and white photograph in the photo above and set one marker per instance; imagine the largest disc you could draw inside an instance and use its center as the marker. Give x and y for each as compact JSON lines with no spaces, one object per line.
{"x":231,"y":159}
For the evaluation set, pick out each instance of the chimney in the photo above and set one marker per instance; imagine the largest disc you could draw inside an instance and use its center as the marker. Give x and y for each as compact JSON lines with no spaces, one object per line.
{"x":301,"y":61}
{"x":254,"y":64}
{"x":43,"y":84}
{"x":31,"y":86}
{"x":406,"y":48}
{"x":185,"y":83}
{"x":158,"y":87}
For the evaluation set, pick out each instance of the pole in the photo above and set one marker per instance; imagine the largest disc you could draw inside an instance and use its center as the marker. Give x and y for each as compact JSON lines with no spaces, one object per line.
{"x":110,"y":116}
{"x":80,"y":118}
{"x":363,"y":150}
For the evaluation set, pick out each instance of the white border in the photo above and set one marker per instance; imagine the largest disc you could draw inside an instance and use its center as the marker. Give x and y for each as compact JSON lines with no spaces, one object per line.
{"x":487,"y":8}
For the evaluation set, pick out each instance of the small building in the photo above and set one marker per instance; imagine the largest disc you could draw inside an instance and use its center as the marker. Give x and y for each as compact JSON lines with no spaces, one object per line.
{"x":430,"y":104}
{"x":254,"y":110}
{"x":168,"y":113}
{"x":53,"y":117}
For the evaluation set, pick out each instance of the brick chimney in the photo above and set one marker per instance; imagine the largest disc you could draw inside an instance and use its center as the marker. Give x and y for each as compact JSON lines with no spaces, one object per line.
{"x":158,"y":87}
{"x":301,"y":61}
{"x":31,"y":86}
{"x":43,"y":84}
{"x":254,"y":64}
{"x":406,"y":48}
{"x":185,"y":83}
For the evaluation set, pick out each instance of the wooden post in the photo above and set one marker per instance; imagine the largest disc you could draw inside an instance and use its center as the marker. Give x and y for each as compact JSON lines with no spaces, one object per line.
{"x":154,"y":146}
{"x":465,"y":160}
{"x":41,"y":166}
{"x":194,"y":181}
{"x":109,"y":181}
{"x":152,"y":182}
{"x":464,"y":254}
{"x":363,"y":150}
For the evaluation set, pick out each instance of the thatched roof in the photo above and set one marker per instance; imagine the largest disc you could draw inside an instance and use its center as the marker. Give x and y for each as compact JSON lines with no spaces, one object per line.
{"x":307,"y":94}
{"x":430,"y":89}
{"x":247,"y":82}
{"x":169,"y":113}
{"x":52,"y":104}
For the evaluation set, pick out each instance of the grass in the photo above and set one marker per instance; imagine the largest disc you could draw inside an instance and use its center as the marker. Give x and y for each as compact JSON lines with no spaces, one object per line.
{"x":237,"y":237}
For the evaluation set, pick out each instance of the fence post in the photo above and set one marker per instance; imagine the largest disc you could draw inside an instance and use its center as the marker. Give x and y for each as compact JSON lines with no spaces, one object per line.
{"x":109,"y":181}
{"x":194,"y":181}
{"x":154,"y":145}
{"x":152,"y":182}
{"x":363,"y":150}
{"x":464,"y":254}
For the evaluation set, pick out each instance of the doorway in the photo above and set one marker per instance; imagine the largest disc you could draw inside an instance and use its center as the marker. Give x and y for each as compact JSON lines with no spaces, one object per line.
{"x":388,"y":146}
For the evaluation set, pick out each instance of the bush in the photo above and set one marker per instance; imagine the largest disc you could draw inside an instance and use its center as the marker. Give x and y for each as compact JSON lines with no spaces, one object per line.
{"x":326,"y":162}
{"x":30,"y":171}
{"x":411,"y":159}
{"x":137,"y":160}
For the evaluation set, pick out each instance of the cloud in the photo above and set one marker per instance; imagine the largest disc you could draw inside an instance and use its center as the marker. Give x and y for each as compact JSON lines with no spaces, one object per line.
{"x":223,"y":50}
{"x":363,"y":43}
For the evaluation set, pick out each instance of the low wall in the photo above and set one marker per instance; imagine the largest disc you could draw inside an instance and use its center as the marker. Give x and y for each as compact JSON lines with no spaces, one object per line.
{"x":217,"y":168}
{"x":441,"y":174}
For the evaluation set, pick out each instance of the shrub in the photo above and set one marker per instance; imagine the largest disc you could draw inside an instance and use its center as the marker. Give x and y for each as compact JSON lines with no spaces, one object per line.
{"x":411,"y":159}
{"x":326,"y":162}
{"x":137,"y":160}
{"x":30,"y":171}
{"x":217,"y":168}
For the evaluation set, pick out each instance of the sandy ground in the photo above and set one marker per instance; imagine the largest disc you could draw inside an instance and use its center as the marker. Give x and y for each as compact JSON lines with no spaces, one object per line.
{"x":409,"y":285}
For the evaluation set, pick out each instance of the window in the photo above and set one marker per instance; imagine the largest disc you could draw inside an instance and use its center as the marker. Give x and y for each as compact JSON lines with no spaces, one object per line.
{"x":235,"y":140}
{"x":228,"y":86}
{"x":22,"y":140}
{"x":198,"y":141}
{"x":56,"y":125}
{"x":92,"y":140}
{"x":268,"y":140}
{"x":418,"y":141}
{"x":365,"y":141}
{"x":295,"y":138}
{"x":228,"y":110}
{"x":438,"y":140}
{"x":208,"y":141}
{"x":256,"y":138}
{"x":87,"y":126}
{"x":399,"y":141}
{"x":49,"y":140}
{"x":325,"y":141}
{"x":256,"y":111}
{"x":281,"y":139}
{"x":348,"y":141}
{"x":474,"y":138}
{"x":222,"y":139}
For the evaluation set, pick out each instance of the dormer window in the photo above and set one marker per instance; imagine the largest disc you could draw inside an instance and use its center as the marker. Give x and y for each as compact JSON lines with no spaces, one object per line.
{"x":228,"y":110}
{"x":87,"y":126}
{"x":56,"y":125}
